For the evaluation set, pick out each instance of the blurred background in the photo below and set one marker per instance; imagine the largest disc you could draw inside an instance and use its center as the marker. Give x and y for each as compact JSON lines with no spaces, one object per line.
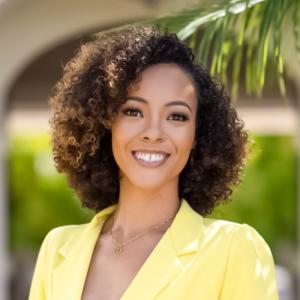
{"x":36,"y":39}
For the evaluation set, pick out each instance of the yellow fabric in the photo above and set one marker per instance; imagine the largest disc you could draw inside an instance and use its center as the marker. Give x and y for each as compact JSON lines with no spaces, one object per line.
{"x":197,"y":258}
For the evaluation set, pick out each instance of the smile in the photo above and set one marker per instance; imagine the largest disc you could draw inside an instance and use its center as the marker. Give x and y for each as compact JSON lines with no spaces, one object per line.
{"x":150,"y":159}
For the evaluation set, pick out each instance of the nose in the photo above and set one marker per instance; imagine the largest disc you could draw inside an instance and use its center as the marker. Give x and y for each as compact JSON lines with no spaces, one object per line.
{"x":153,"y":132}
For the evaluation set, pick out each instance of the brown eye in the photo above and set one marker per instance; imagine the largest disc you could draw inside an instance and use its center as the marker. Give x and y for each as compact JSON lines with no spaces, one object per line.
{"x":178,"y":117}
{"x":132,"y":112}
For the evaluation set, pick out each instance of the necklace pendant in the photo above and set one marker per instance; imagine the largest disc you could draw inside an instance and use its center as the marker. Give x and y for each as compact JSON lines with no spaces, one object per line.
{"x":118,"y":249}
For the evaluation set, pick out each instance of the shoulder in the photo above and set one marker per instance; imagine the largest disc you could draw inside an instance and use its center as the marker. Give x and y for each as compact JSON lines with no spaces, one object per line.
{"x":245,"y":258}
{"x":238,"y":236}
{"x":231,"y":229}
{"x":58,"y":236}
{"x":238,"y":241}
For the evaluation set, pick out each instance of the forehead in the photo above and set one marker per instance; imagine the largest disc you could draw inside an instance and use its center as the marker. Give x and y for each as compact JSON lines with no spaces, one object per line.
{"x":165,"y":82}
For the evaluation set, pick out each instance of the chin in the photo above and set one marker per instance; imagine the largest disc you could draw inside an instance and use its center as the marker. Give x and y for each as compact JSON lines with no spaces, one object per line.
{"x":148,"y":183}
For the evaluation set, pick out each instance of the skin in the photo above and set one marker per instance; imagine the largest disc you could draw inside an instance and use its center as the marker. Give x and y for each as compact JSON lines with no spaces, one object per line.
{"x":149,"y":120}
{"x":151,"y":125}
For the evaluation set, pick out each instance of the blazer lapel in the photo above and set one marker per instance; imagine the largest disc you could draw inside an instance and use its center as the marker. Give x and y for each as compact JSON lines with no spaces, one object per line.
{"x":164,"y":263}
{"x":69,"y":276}
{"x":166,"y":260}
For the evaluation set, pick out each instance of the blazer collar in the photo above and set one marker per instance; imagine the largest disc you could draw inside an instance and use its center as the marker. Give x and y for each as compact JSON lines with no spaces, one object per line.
{"x":182,"y":238}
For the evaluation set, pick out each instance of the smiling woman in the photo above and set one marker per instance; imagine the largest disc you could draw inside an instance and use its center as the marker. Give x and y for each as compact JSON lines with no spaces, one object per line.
{"x":152,"y":144}
{"x":161,"y":125}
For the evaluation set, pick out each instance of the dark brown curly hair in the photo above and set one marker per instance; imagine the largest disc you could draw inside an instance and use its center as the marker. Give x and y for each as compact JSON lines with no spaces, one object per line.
{"x":89,"y":95}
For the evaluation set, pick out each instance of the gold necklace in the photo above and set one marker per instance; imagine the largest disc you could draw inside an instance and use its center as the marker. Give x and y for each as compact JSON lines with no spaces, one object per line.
{"x":120,"y":245}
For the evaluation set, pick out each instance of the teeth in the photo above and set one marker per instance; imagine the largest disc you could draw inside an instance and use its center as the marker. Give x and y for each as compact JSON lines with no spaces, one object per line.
{"x":149,"y":156}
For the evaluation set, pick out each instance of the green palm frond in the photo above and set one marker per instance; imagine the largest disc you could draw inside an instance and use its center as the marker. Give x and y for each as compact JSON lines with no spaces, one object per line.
{"x":241,"y":36}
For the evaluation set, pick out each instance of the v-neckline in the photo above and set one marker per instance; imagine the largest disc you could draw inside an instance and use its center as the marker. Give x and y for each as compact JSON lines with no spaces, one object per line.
{"x":161,"y":267}
{"x":164,"y":241}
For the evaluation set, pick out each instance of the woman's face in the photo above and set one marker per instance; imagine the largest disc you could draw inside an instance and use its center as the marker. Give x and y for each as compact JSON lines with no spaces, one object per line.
{"x":153,"y":134}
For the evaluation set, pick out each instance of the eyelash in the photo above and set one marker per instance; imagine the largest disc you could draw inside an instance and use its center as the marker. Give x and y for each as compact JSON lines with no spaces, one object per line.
{"x":182,"y":117}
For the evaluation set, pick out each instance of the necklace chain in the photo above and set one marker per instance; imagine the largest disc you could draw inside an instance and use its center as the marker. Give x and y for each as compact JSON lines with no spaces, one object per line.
{"x":120,"y":245}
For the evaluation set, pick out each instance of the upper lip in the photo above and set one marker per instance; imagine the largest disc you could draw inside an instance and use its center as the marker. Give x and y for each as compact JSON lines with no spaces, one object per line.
{"x":151,"y":151}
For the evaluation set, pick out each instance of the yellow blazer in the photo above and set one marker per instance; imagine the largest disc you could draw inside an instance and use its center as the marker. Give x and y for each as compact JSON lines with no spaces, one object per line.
{"x":197,"y":258}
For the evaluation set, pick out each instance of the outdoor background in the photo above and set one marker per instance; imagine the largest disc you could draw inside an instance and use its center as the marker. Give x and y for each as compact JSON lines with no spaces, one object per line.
{"x":37,"y":38}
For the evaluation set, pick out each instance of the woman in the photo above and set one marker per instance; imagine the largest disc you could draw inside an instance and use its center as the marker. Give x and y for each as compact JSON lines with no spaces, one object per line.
{"x":152,"y":144}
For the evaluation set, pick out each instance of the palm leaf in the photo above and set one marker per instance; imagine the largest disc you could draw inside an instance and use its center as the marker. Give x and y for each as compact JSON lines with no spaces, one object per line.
{"x":243,"y":36}
{"x":236,"y":38}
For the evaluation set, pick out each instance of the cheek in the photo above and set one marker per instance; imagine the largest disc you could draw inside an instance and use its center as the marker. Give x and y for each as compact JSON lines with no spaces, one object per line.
{"x":184,"y":146}
{"x":184,"y":138}
{"x":183,"y":142}
{"x":118,"y":139}
{"x":122,"y":135}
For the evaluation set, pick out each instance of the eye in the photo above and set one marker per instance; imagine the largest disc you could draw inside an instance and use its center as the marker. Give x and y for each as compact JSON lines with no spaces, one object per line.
{"x":132,"y":112}
{"x":178,"y":117}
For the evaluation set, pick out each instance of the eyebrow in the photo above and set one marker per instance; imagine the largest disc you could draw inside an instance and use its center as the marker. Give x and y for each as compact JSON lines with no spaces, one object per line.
{"x":142,"y":100}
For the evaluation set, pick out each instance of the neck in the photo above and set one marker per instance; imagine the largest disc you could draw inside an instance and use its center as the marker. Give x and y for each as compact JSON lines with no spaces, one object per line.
{"x":139,"y":209}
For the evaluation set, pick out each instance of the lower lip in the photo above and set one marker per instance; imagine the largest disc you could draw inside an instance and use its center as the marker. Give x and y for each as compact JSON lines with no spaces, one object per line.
{"x":150,"y":163}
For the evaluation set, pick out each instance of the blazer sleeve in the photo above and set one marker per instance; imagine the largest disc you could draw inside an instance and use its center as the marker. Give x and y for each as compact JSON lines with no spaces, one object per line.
{"x":39,"y":280}
{"x":250,"y":272}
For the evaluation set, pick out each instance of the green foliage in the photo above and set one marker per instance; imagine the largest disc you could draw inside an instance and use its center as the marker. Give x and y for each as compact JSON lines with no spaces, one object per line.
{"x":239,"y":41}
{"x":266,"y":199}
{"x":238,"y":38}
{"x":39,"y":197}
{"x":41,"y":200}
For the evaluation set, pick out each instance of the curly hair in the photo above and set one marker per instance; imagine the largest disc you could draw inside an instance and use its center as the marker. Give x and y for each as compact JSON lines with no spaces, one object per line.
{"x":90,"y":93}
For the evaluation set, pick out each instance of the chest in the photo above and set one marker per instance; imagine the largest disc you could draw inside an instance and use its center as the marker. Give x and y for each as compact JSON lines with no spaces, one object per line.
{"x":110,"y":274}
